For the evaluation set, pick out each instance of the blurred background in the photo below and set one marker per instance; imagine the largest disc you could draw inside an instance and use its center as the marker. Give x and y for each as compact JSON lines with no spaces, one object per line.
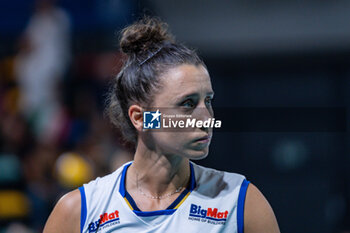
{"x":58,"y":57}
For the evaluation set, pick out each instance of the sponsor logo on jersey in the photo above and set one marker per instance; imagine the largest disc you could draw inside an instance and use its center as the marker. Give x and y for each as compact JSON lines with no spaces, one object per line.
{"x":209,"y":215}
{"x":106,"y":220}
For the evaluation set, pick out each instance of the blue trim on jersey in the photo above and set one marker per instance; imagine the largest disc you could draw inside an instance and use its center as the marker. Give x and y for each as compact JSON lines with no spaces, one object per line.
{"x":154,"y":213}
{"x":170,"y":210}
{"x":122,"y":180}
{"x":240,"y":206}
{"x":131,"y":201}
{"x":178,"y":199}
{"x":83,"y":211}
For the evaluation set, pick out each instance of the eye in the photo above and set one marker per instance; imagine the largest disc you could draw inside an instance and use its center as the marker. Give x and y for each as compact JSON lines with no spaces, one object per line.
{"x":188,"y":103}
{"x":209,"y":100}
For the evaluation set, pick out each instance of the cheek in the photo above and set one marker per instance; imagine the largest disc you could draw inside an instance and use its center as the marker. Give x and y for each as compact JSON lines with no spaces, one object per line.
{"x":178,"y":144}
{"x":171,"y":140}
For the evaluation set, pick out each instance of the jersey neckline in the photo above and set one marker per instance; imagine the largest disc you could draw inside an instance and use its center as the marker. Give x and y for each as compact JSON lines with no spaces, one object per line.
{"x":171,"y":208}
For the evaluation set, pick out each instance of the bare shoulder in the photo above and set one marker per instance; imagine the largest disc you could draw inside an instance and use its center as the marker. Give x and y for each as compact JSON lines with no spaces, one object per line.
{"x":258,"y":214}
{"x":65,"y":217}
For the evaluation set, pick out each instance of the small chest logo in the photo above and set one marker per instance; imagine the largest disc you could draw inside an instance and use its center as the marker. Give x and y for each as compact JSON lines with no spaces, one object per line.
{"x":106,"y":220}
{"x":208,"y":215}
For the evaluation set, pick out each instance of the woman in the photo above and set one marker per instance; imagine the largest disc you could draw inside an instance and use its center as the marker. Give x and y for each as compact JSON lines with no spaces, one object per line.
{"x":161,"y":190}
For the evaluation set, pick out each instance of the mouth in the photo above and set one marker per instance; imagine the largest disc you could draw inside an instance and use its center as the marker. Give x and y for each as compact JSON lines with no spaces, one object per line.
{"x":205,"y":139}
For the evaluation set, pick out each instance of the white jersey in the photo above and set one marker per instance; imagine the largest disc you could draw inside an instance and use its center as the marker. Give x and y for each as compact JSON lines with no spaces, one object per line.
{"x":213,"y":202}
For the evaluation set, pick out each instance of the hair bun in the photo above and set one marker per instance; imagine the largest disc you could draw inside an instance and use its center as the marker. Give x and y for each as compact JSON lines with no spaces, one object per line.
{"x":143,"y":35}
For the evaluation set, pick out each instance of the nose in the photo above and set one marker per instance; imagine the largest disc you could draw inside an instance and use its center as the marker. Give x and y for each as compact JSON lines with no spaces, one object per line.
{"x":204,"y":114}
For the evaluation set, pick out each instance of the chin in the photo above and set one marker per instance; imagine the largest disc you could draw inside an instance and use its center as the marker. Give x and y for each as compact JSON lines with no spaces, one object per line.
{"x":197,"y":155}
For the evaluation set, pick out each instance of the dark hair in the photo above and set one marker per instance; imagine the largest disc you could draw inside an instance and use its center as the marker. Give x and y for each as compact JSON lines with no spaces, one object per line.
{"x":151,"y":50}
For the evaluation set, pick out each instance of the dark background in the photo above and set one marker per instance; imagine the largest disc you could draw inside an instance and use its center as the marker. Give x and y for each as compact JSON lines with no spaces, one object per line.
{"x":260,"y":55}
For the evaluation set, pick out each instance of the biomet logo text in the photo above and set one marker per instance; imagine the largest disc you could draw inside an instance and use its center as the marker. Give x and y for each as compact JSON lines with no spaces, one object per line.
{"x":208,"y":215}
{"x":106,"y":220}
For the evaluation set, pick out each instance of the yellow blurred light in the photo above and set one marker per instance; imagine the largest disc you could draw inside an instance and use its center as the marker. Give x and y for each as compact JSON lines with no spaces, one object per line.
{"x":13,"y":204}
{"x":73,"y":170}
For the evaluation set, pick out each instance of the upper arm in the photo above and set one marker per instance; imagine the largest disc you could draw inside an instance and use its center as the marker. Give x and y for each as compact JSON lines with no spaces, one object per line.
{"x":258,"y":214}
{"x":65,"y":217}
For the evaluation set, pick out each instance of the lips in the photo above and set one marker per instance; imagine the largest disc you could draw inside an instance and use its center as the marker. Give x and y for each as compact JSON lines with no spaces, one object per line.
{"x":203,"y":139}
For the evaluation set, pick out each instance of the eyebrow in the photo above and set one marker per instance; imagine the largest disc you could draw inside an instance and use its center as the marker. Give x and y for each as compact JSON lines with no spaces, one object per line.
{"x":211,"y":93}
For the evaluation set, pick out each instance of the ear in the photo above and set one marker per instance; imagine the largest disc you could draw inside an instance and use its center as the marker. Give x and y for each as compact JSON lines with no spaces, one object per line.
{"x":136,"y":116}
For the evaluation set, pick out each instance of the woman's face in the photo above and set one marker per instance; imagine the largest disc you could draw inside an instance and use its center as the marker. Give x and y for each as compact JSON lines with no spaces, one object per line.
{"x":186,"y":90}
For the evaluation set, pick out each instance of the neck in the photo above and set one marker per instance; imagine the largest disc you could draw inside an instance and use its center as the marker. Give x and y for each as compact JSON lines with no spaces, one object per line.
{"x":157,"y":174}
